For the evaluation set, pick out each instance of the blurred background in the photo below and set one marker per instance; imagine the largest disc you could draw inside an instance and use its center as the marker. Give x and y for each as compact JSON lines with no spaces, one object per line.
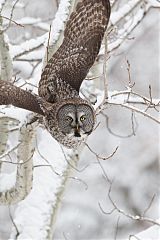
{"x":134,"y":168}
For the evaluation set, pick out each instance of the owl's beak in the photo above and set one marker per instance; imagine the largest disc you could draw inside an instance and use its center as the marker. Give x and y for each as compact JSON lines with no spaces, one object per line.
{"x":76,"y":131}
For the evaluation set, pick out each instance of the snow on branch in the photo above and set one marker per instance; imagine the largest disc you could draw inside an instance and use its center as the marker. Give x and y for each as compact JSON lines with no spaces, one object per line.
{"x":128,"y":100}
{"x":52,"y":172}
{"x":154,"y":3}
{"x":125,"y":100}
{"x":5,"y":74}
{"x":152,"y":233}
{"x":48,"y":182}
{"x":55,"y":37}
{"x":123,"y":11}
{"x":125,"y":19}
{"x":27,"y":47}
{"x":50,"y":175}
{"x":4,"y":136}
{"x":56,"y":30}
{"x":5,"y":59}
{"x":24,"y":173}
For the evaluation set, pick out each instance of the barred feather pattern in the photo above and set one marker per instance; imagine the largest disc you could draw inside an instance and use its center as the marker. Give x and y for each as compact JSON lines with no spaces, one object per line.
{"x":63,"y":75}
{"x":82,"y":40}
{"x":10,"y":94}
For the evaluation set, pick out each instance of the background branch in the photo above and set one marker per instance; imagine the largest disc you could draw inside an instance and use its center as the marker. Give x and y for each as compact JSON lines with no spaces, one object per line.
{"x":52,"y":165}
{"x":24,"y":171}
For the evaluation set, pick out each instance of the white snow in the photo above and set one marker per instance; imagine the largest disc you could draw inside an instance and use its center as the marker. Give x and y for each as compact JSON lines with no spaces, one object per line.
{"x":27,"y":46}
{"x":117,"y":15}
{"x":60,"y":18}
{"x":33,"y":215}
{"x":14,"y":113}
{"x":47,"y":182}
{"x":7,"y":181}
{"x":152,"y":233}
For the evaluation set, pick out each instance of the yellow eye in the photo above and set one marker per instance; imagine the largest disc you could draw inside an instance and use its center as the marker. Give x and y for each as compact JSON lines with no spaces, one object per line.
{"x":82,"y":118}
{"x":68,"y":118}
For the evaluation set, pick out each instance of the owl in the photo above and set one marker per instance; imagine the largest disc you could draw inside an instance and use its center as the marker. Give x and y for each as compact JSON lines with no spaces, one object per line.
{"x":68,"y":117}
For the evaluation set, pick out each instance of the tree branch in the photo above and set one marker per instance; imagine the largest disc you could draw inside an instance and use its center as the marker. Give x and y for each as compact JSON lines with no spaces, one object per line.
{"x":24,"y":174}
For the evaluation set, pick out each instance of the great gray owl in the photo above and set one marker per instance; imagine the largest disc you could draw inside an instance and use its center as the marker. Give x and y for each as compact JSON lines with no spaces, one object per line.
{"x":68,"y":117}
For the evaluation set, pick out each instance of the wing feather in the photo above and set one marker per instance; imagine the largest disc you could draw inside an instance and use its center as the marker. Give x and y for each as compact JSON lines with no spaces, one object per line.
{"x":82,"y":40}
{"x":10,"y":94}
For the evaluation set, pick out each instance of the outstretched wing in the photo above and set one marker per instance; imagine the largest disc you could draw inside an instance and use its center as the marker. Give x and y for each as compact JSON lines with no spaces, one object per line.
{"x":10,"y":94}
{"x":82,"y":39}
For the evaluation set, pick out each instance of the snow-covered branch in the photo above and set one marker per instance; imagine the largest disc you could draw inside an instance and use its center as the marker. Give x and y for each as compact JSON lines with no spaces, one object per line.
{"x":151,"y":233}
{"x":5,"y":59}
{"x":126,"y":100}
{"x":24,"y":173}
{"x":55,"y":37}
{"x":125,"y":19}
{"x":56,"y":176}
{"x":5,"y":74}
{"x":53,"y":165}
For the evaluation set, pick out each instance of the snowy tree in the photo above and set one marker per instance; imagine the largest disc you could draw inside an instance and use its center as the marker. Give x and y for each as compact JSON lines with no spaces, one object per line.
{"x":116,"y":197}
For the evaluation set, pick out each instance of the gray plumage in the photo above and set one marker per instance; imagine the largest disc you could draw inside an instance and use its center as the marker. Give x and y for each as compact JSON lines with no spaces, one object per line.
{"x":69,"y":118}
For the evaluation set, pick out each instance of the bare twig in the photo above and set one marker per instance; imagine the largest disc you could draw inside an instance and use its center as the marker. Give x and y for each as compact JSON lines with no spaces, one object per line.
{"x":117,"y":226}
{"x":139,"y":100}
{"x":18,"y":24}
{"x":128,"y":215}
{"x":81,"y":181}
{"x":45,"y":159}
{"x":104,"y":172}
{"x":133,"y":126}
{"x":130,"y":84}
{"x":118,"y":16}
{"x":9,"y":151}
{"x":104,"y":212}
{"x":102,"y":157}
{"x":26,"y":51}
{"x":98,"y":157}
{"x":11,"y":15}
{"x":149,"y":205}
{"x":105,"y":70}
{"x":134,"y":109}
{"x":24,"y":175}
{"x":48,"y":43}
{"x":14,"y":224}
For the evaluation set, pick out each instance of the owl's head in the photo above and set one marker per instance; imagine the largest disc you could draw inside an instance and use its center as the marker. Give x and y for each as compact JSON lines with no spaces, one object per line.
{"x":76,"y":120}
{"x":70,"y":121}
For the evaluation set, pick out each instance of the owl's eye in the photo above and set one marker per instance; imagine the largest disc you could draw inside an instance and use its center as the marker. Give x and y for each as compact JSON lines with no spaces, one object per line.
{"x":82,"y":118}
{"x":69,"y":119}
